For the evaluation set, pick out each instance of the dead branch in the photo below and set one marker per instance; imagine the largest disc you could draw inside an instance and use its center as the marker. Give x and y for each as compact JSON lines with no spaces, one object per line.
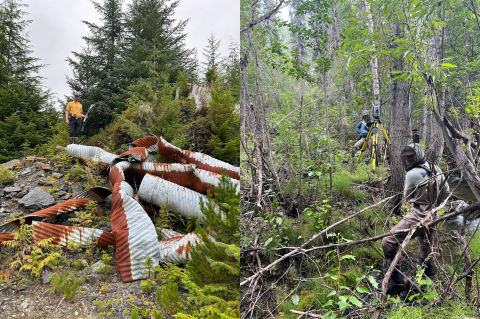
{"x":395,"y":261}
{"x":307,"y":314}
{"x":262,"y":18}
{"x":460,"y":277}
{"x":467,"y":209}
{"x":299,"y":249}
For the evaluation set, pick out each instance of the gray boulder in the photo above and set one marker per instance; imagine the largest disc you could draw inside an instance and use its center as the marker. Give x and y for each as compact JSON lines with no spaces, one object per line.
{"x":37,"y":197}
{"x":11,"y":163}
{"x":12,"y":189}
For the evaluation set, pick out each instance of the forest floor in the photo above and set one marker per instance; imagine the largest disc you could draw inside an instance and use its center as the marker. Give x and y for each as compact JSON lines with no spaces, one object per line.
{"x":345,"y":282}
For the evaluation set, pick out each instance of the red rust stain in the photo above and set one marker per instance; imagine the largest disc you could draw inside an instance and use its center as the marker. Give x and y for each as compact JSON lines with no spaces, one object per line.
{"x":184,"y":156}
{"x":115,"y":175}
{"x":6,"y":237}
{"x":44,"y":230}
{"x":187,"y":250}
{"x":180,"y":249}
{"x":120,"y":231}
{"x":146,"y":141}
{"x":140,"y":151}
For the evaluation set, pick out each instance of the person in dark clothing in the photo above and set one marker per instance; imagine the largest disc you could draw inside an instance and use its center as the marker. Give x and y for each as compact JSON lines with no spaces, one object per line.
{"x":422,"y":188}
{"x":73,"y":117}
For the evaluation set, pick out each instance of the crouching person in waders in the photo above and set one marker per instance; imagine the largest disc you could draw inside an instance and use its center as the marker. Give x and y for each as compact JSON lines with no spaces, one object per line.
{"x":73,"y":117}
{"x":425,"y":186}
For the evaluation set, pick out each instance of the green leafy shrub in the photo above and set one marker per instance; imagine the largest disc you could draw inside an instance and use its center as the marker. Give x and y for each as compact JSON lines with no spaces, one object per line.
{"x":105,"y":268}
{"x":6,"y":176}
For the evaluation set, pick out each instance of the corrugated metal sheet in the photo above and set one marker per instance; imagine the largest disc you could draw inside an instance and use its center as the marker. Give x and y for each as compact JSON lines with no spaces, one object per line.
{"x":149,"y":142}
{"x":138,"y":154}
{"x":177,"y":249}
{"x":203,"y":161}
{"x":6,"y":237}
{"x":98,"y":194}
{"x":205,"y":179}
{"x":134,"y":231}
{"x":68,"y":206}
{"x":160,"y":192}
{"x":180,"y":174}
{"x":66,"y":235}
{"x":116,"y":174}
{"x":91,"y":153}
{"x":167,"y":233}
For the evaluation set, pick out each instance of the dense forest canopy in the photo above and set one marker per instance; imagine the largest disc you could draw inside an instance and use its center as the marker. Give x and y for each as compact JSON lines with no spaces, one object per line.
{"x":306,"y":82}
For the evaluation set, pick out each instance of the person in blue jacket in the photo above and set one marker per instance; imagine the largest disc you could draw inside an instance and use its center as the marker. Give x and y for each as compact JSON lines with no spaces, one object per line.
{"x":362,"y":129}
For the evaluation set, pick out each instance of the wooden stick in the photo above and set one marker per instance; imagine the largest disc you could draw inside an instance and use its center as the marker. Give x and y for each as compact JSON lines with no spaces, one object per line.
{"x":395,"y":261}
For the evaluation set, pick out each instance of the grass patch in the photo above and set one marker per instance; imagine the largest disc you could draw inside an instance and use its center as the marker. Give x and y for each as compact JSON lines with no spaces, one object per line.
{"x":342,"y":185}
{"x":451,"y":309}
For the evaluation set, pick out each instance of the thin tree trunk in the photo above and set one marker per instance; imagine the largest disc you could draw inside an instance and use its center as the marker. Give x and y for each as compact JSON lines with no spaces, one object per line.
{"x":256,"y":126}
{"x":423,"y":122}
{"x":434,"y":150}
{"x":327,"y":130}
{"x":400,"y":127}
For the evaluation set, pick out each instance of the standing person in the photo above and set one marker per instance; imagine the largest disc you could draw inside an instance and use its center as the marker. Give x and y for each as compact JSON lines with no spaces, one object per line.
{"x":73,"y":117}
{"x":422,"y":187}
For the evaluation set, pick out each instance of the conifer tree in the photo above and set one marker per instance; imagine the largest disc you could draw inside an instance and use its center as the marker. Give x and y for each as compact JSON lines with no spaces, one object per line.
{"x":210,"y":52}
{"x":232,"y":71}
{"x":215,"y":265}
{"x":96,"y":68}
{"x":156,"y":42}
{"x":26,"y":115}
{"x":224,"y":119}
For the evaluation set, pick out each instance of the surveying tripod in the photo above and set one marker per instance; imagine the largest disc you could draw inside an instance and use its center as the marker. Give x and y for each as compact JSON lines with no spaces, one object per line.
{"x":373,"y":131}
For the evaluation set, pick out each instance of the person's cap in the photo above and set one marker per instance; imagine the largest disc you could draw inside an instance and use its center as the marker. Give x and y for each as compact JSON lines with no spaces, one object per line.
{"x":76,"y":94}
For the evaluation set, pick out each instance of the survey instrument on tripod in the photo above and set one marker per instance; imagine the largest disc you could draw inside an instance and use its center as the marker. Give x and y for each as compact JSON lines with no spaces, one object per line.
{"x":373,"y":133}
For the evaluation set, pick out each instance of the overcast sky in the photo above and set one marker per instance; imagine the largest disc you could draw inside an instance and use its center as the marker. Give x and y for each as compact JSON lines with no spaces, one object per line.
{"x":57,"y":30}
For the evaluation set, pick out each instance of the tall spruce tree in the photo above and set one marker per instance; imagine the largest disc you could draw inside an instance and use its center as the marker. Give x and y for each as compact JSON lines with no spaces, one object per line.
{"x":26,"y":116}
{"x":97,"y":73}
{"x":231,"y":66}
{"x":156,"y":42}
{"x":210,"y":52}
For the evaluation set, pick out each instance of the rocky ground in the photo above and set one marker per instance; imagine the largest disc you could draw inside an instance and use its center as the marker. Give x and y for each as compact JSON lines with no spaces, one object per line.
{"x":41,"y":184}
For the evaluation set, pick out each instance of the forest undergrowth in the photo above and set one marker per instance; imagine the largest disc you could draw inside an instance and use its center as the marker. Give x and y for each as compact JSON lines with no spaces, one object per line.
{"x":343,"y":280}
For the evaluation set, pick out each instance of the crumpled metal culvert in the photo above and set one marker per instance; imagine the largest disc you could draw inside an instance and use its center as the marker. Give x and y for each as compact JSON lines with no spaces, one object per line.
{"x":178,"y":186}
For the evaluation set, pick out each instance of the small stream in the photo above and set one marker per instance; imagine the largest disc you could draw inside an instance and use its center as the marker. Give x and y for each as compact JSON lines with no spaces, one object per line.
{"x":450,"y":249}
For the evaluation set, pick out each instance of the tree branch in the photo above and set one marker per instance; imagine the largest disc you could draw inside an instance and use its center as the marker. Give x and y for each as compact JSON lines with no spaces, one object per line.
{"x":402,"y":231}
{"x":262,"y":18}
{"x":300,"y":248}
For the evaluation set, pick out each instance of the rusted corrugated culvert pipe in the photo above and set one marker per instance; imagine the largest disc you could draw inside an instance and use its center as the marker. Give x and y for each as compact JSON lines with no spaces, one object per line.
{"x":134,"y":231}
{"x":203,"y":161}
{"x":68,"y":206}
{"x":68,"y":235}
{"x":92,"y":153}
{"x":159,"y":192}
